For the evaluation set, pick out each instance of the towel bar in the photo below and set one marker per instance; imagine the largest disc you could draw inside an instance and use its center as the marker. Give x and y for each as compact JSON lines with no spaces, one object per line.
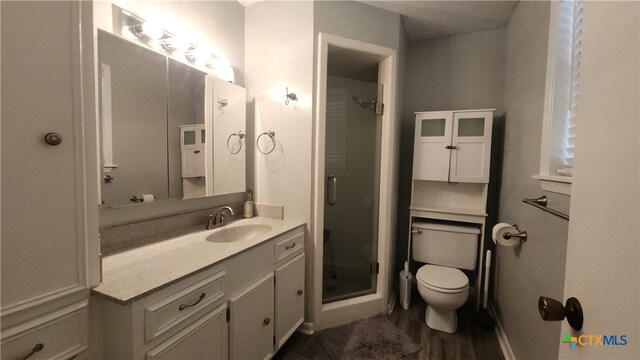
{"x":541,"y":203}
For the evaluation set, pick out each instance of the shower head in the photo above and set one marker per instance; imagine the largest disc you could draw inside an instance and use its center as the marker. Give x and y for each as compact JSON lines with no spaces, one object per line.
{"x":371,"y":105}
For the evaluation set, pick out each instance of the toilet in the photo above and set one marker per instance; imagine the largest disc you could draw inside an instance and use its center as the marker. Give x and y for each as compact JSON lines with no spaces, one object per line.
{"x":445,"y":249}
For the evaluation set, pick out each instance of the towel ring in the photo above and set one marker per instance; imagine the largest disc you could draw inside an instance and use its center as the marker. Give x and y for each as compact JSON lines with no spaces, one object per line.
{"x":240,"y":134}
{"x":272,"y":135}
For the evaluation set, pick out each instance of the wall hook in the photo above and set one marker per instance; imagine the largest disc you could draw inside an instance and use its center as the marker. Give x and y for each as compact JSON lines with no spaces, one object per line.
{"x":290,"y":96}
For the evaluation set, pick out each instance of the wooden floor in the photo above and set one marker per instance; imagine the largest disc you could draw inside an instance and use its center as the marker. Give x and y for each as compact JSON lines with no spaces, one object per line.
{"x":471,"y":341}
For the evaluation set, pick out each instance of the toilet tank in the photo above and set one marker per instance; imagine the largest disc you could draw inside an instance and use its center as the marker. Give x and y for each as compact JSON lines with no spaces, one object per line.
{"x":444,"y":244}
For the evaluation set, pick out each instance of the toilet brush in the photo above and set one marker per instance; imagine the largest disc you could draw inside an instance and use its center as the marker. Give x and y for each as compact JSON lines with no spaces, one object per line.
{"x":483,"y":317}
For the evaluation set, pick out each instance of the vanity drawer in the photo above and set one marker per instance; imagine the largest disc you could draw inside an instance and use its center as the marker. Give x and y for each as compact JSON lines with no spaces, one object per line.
{"x":289,"y":245}
{"x":176,"y":308}
{"x":61,"y":334}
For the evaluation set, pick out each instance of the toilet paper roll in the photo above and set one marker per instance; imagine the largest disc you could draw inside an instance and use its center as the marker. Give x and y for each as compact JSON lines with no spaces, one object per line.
{"x":148,"y":197}
{"x":499,"y":230}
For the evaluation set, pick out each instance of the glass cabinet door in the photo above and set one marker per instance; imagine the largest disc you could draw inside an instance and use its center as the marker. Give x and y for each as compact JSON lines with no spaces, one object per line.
{"x":431,"y":155}
{"x":471,"y":147}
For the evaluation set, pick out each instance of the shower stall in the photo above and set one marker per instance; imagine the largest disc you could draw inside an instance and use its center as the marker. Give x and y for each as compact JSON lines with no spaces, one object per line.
{"x":352,"y":172}
{"x":353,"y":201}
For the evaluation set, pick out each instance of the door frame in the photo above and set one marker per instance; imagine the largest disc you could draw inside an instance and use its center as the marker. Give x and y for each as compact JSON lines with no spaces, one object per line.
{"x":345,"y":311}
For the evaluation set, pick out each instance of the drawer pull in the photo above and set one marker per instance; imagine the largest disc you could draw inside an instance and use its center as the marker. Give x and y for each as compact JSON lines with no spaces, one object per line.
{"x":266,"y":321}
{"x":183,"y":306}
{"x":300,"y":292}
{"x":290,"y":246}
{"x":35,"y":349}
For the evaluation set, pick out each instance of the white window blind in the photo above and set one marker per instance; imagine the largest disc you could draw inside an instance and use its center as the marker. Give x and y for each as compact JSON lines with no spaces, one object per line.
{"x":572,"y":115}
{"x":336,"y":129}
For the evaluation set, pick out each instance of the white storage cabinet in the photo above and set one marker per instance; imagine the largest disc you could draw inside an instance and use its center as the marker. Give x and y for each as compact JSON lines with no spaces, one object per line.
{"x":453,"y":146}
{"x":452,"y":155}
{"x":50,"y":246}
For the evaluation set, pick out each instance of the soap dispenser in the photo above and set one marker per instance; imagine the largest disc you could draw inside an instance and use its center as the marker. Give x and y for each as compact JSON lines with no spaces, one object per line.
{"x":248,"y":205}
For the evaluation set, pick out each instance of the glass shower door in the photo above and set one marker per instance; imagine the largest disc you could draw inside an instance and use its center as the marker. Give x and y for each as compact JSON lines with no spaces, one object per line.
{"x":352,"y":176}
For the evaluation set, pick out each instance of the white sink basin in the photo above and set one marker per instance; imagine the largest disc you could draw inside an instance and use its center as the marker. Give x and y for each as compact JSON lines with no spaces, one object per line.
{"x":237,"y":233}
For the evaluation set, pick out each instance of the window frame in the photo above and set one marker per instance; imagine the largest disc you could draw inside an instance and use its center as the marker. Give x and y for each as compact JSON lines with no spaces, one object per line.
{"x":555,"y":87}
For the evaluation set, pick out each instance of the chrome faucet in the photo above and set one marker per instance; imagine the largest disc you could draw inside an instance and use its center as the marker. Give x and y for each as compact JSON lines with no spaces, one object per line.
{"x":217,"y":220}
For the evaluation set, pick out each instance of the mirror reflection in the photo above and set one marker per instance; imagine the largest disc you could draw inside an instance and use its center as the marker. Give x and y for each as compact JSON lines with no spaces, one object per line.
{"x":168,"y":130}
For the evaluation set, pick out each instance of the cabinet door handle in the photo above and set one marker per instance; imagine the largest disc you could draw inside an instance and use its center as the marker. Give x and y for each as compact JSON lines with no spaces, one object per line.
{"x":266,"y":321}
{"x":300,"y":292}
{"x":290,"y":246}
{"x":35,"y":349}
{"x":183,"y":306}
{"x":196,"y":151}
{"x":450,"y":147}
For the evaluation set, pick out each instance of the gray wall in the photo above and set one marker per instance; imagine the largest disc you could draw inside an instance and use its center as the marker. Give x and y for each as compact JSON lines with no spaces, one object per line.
{"x":186,"y":99}
{"x":454,"y":72}
{"x":537,"y":267}
{"x":139,"y":121}
{"x":357,"y":21}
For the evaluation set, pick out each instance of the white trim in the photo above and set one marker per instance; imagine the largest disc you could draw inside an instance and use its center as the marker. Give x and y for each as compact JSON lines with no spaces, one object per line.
{"x":548,"y":90}
{"x":549,"y":181}
{"x":307,"y":328}
{"x":33,"y":304}
{"x":555,"y":184}
{"x":454,"y":110}
{"x":502,"y":337}
{"x":356,"y":308}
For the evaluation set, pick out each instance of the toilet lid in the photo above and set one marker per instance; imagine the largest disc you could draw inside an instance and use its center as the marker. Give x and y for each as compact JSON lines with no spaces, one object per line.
{"x":442,"y":277}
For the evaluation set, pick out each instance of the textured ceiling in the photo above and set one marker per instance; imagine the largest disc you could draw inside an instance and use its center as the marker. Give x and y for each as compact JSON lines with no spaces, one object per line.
{"x":430,"y":19}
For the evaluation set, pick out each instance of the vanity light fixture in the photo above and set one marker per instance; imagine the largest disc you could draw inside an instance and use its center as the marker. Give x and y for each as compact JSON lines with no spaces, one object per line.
{"x":148,"y":29}
{"x":153,"y":35}
{"x":176,"y":45}
{"x":290,"y":96}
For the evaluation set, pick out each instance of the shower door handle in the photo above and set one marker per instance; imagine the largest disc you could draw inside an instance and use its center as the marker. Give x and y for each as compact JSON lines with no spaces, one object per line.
{"x":332,"y":184}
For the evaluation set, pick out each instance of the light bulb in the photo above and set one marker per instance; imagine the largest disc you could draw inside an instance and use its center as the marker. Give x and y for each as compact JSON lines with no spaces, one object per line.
{"x":177,"y":45}
{"x":152,"y":30}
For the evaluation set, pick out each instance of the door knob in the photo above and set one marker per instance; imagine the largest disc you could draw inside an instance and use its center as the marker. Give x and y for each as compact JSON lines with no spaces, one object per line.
{"x":53,"y":138}
{"x":552,"y":310}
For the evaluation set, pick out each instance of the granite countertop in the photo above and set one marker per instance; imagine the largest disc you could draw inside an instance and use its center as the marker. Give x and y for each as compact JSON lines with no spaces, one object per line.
{"x":132,"y":274}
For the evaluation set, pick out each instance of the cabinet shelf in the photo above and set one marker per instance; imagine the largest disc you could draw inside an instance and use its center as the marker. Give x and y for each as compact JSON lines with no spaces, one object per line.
{"x":449,"y":210}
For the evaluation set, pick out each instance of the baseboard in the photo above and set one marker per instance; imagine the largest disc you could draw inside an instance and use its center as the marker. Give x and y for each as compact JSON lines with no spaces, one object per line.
{"x":393,"y":300}
{"x":306,"y":328}
{"x":502,"y":337}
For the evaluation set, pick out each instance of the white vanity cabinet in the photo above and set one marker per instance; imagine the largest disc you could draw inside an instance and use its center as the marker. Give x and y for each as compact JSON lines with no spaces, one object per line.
{"x":453,"y":146}
{"x":50,"y":247}
{"x":205,"y":339}
{"x":243,"y":307}
{"x":289,"y":298}
{"x":252,"y":321}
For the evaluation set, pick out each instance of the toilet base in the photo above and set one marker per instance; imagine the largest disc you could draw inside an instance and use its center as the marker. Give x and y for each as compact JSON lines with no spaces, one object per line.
{"x":442,"y":320}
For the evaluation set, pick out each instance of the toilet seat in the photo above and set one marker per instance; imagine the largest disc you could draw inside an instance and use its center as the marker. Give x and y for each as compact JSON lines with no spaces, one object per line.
{"x":442,"y":279}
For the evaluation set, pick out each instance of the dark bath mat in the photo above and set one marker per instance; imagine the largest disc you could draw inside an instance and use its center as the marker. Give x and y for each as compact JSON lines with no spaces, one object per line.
{"x":371,"y":338}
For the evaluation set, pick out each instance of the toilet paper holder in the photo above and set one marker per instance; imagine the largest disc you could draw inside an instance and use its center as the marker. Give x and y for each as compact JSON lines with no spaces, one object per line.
{"x":522,"y":235}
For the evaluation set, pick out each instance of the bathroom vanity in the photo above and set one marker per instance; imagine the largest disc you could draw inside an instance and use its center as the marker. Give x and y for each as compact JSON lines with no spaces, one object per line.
{"x":233,"y":292}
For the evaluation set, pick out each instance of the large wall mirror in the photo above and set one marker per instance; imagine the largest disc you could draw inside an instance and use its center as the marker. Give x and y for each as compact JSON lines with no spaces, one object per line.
{"x":168,"y":130}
